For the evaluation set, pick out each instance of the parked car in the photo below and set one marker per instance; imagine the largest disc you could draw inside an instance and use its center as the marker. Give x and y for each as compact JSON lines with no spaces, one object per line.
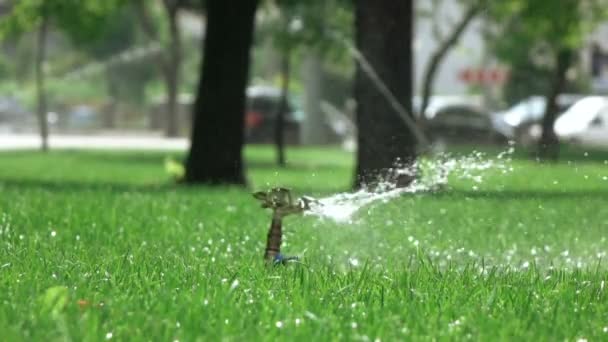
{"x":462,"y":123}
{"x":14,"y":117}
{"x":260,"y":117}
{"x":518,"y":121}
{"x":437,"y":102}
{"x":78,"y":117}
{"x":586,"y":122}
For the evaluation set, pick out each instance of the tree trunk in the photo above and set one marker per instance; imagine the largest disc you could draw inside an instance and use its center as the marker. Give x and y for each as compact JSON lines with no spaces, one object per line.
{"x":283,"y":107}
{"x":314,"y":130}
{"x":438,"y":56}
{"x":219,"y":111}
{"x":384,"y":37}
{"x":41,"y":109}
{"x":172,"y":69}
{"x":169,"y":61}
{"x":548,"y":146}
{"x":110,"y":111}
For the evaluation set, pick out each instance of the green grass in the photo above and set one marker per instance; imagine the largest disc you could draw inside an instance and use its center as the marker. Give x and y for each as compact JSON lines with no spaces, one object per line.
{"x":522,"y":257}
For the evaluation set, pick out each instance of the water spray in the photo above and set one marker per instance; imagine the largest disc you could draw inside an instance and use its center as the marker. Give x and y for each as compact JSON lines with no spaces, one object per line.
{"x":282,"y":204}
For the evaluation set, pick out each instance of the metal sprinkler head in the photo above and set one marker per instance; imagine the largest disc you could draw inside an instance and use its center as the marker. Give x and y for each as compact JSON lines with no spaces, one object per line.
{"x":282,"y":204}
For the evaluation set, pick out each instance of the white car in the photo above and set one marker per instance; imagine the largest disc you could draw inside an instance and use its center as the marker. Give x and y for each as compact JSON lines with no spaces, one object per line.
{"x":586,"y":122}
{"x":522,"y":121}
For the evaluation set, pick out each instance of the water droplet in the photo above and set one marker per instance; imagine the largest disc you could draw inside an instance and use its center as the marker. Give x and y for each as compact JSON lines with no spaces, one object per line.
{"x":353,"y":261}
{"x":53,"y":233}
{"x":298,"y":322}
{"x":109,"y":335}
{"x":353,"y":325}
{"x":279,"y":324}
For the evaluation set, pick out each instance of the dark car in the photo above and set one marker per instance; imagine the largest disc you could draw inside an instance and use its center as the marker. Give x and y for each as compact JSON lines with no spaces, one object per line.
{"x":462,"y":124}
{"x":260,"y":118}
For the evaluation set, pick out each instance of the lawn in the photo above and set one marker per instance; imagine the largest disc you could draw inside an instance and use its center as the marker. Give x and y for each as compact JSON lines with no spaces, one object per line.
{"x":99,"y":245}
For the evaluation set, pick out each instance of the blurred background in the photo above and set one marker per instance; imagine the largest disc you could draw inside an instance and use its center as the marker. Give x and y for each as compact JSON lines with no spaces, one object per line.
{"x":127,"y":69}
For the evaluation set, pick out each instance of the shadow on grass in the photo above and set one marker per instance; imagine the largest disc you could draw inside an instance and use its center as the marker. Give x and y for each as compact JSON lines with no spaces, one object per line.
{"x":515,"y":195}
{"x":297,"y":166}
{"x":76,"y":186}
{"x":66,"y":186}
{"x":568,"y":152}
{"x":158,"y":158}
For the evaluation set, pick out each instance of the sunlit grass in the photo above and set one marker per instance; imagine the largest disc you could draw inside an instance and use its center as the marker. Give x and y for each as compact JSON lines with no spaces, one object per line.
{"x":521,"y":256}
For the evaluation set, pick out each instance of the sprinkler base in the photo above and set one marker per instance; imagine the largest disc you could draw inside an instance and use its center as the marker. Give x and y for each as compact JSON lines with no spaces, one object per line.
{"x":281,"y":259}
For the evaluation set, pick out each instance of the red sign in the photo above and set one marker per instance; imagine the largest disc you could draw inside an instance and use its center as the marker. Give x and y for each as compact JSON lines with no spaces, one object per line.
{"x":483,"y":76}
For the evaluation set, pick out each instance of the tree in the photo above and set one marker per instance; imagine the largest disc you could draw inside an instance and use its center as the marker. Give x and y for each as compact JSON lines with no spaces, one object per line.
{"x":304,"y":31}
{"x":170,"y":58}
{"x":445,"y":44}
{"x":285,"y":39}
{"x":81,"y":20}
{"x":551,"y":35}
{"x":41,"y":107}
{"x":215,"y":155}
{"x":384,"y":40}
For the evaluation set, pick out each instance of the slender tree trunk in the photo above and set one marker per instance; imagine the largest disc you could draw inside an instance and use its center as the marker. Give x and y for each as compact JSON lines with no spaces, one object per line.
{"x":283,"y":107}
{"x":548,"y":146}
{"x":384,"y":38}
{"x":110,"y":111}
{"x":314,"y":130}
{"x":41,"y":110}
{"x":172,"y":69}
{"x":219,"y":111}
{"x":438,"y":56}
{"x":169,"y":61}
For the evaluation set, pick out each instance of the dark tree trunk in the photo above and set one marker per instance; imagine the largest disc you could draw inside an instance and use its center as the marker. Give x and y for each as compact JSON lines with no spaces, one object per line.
{"x":41,"y":110}
{"x":110,"y":111}
{"x":219,"y":111}
{"x":548,"y":146}
{"x":283,"y":107}
{"x":172,"y":69}
{"x":384,"y":38}
{"x":438,"y":56}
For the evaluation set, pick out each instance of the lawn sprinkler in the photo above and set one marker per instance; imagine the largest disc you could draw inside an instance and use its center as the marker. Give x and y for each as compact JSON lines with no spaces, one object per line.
{"x":282,"y":204}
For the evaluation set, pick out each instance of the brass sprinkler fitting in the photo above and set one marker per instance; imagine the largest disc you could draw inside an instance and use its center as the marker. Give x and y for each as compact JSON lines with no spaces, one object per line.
{"x":282,"y":204}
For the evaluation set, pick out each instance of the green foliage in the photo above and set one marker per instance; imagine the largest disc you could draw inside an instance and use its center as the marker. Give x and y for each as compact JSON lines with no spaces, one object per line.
{"x":530,"y":33}
{"x":80,"y":19}
{"x":151,"y":261}
{"x":293,"y":24}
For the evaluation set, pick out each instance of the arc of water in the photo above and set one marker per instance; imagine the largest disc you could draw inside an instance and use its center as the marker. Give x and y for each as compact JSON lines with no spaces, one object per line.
{"x":370,"y":72}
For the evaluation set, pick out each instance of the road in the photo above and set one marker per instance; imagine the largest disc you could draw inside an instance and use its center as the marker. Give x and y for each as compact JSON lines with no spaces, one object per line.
{"x":102,"y":142}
